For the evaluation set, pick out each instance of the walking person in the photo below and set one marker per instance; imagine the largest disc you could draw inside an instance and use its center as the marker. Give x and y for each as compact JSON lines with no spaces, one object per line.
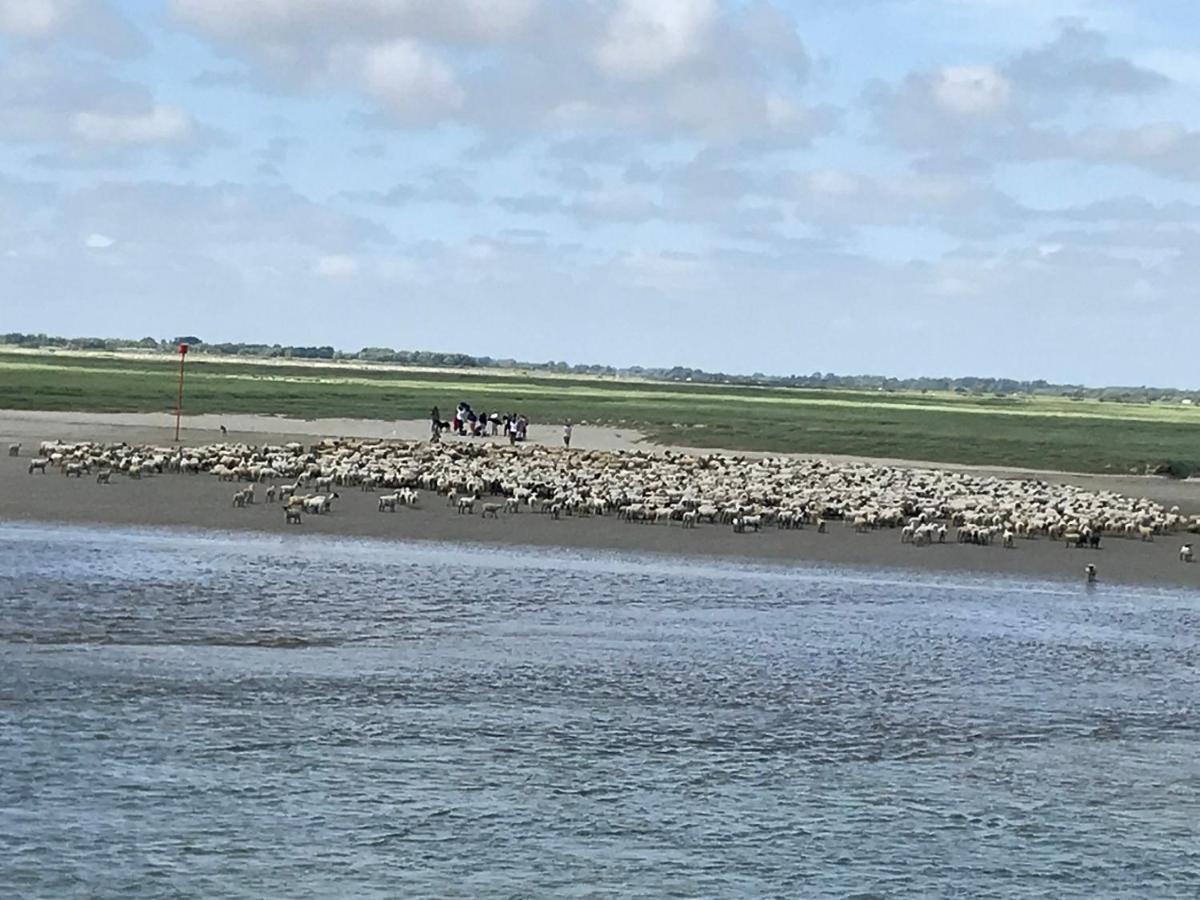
{"x":567,"y":434}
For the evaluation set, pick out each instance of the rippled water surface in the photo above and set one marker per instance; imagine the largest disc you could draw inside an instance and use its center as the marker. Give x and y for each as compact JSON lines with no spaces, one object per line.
{"x":257,"y":716}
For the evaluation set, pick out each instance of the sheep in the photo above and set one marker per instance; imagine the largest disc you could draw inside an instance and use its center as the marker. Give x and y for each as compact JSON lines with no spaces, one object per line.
{"x":291,"y":515}
{"x":38,"y":465}
{"x":14,"y":449}
{"x":1089,"y":572}
{"x":466,"y":505}
{"x":74,"y":468}
{"x":388,"y":502}
{"x":1185,"y":553}
{"x":240,"y":499}
{"x":319,"y":503}
{"x":104,"y":477}
{"x":689,"y":518}
{"x":491,"y":509}
{"x":270,"y":494}
{"x":1008,"y":540}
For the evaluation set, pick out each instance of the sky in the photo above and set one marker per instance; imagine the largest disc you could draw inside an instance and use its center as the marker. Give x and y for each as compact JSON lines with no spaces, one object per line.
{"x":899,"y":187}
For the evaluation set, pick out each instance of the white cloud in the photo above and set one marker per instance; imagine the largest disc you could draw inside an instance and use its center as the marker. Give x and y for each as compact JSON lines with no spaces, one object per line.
{"x":90,"y":23}
{"x":336,"y":266}
{"x":160,"y":124}
{"x":971,"y":90}
{"x":411,"y":82}
{"x":97,"y":241}
{"x":663,"y":68}
{"x":31,"y":18}
{"x":645,"y":38}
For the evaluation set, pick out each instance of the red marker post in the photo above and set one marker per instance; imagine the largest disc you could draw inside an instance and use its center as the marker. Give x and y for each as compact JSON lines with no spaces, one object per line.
{"x":183,"y":349}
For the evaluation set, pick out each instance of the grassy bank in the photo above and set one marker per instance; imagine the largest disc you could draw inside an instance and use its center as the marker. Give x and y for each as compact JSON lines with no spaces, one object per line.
{"x":1011,"y":431}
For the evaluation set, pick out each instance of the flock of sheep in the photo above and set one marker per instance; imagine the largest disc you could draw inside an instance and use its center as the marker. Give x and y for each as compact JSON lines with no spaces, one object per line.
{"x":744,"y":494}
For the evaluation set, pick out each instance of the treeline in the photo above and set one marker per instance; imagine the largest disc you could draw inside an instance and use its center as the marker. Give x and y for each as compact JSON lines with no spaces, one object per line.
{"x":999,"y":387}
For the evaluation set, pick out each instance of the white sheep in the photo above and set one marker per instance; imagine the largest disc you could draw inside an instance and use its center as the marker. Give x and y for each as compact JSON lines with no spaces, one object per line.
{"x":38,"y":465}
{"x":1185,"y":553}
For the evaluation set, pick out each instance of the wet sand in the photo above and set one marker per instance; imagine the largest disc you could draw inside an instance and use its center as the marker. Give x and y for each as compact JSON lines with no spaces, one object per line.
{"x":31,"y":427}
{"x":204,"y":502}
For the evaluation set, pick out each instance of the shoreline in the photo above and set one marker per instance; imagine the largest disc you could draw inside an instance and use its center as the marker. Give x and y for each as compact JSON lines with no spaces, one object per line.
{"x":203,"y":502}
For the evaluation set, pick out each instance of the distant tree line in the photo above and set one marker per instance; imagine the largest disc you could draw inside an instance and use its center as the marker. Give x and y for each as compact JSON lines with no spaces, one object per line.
{"x":999,"y":387}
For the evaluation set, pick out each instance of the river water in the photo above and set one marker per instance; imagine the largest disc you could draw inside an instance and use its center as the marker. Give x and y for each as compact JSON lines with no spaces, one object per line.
{"x":187,"y":714}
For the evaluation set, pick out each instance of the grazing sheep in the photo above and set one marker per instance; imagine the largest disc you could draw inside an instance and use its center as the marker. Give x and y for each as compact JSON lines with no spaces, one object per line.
{"x":14,"y":449}
{"x":38,"y":465}
{"x":1185,"y":553}
{"x":291,"y":515}
{"x":104,"y":477}
{"x":491,"y":509}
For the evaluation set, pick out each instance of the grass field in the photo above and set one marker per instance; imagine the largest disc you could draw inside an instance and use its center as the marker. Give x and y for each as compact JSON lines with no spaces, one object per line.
{"x":1050,"y":433}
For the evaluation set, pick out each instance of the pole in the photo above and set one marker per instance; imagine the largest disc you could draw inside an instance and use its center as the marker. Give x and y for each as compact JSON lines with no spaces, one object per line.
{"x":183,"y":349}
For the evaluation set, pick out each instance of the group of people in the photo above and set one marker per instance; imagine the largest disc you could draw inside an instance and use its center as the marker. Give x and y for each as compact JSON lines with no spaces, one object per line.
{"x":469,"y":423}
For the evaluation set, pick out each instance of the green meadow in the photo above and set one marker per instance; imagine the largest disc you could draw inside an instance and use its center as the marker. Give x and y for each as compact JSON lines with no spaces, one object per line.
{"x":1019,"y":431}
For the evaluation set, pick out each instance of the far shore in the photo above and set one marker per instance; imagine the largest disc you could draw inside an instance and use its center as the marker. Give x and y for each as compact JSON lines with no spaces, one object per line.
{"x":201,"y":501}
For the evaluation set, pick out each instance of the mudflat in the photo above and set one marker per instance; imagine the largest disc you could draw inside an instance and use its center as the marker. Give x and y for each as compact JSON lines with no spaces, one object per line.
{"x":201,"y":501}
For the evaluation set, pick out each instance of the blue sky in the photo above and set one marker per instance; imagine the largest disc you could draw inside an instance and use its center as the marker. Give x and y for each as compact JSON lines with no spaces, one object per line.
{"x":997,"y":187}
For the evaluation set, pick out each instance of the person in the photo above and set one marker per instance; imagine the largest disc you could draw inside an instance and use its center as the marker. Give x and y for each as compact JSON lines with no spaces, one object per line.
{"x":510,"y":425}
{"x":1090,"y":571}
{"x":567,"y":433}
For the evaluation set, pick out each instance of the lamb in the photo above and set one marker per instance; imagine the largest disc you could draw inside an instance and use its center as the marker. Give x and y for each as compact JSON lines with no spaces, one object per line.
{"x":74,"y":468}
{"x":491,"y":509}
{"x":689,"y":518}
{"x":104,"y":477}
{"x":241,"y":498}
{"x":38,"y":465}
{"x":14,"y":449}
{"x":271,"y":494}
{"x":291,"y":515}
{"x":466,"y":505}
{"x":1185,"y":553}
{"x":388,"y":502}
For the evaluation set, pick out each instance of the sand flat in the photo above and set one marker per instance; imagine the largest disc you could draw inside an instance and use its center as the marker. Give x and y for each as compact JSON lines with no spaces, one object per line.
{"x":201,"y":501}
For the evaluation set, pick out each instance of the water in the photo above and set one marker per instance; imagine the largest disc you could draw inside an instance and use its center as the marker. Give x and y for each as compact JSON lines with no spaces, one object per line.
{"x":247,"y":716}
